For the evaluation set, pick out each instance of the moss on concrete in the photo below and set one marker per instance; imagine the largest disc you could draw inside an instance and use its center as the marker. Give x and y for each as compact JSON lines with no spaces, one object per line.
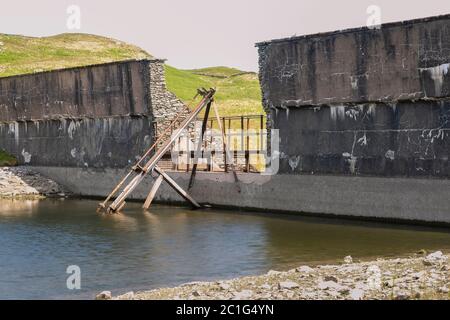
{"x":7,"y":160}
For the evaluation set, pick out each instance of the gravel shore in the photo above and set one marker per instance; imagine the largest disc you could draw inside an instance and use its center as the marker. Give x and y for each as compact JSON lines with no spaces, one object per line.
{"x":422,"y":276}
{"x":21,"y":182}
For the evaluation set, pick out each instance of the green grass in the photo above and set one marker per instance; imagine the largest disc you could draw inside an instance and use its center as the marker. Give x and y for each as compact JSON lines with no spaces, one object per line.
{"x":238,"y":92}
{"x":21,"y":55}
{"x":7,"y":160}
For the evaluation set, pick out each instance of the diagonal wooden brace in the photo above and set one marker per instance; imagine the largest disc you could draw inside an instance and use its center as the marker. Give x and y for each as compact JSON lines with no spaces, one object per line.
{"x":177,"y":188}
{"x":153,"y":191}
{"x":140,"y":171}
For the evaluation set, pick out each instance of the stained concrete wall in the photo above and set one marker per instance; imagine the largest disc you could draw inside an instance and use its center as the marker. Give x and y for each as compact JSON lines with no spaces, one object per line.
{"x":84,"y":142}
{"x":361,"y":101}
{"x":94,"y":116}
{"x":95,"y":91}
{"x":400,"y":61}
{"x":404,"y":200}
{"x":405,"y":139}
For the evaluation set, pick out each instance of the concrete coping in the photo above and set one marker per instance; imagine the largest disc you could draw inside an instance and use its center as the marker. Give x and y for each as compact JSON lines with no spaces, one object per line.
{"x":152,"y":60}
{"x":353,"y":30}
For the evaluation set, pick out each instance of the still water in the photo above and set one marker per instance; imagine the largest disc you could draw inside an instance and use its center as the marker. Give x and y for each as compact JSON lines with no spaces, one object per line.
{"x":172,"y":245}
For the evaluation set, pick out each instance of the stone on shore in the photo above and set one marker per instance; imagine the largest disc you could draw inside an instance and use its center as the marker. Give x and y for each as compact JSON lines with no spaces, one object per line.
{"x":434,"y":258}
{"x":21,"y":182}
{"x":273,"y":273}
{"x":243,"y":295}
{"x":357,"y":294}
{"x":381,"y":279}
{"x":104,"y":295}
{"x":224,"y":286}
{"x":348,"y":259}
{"x":304,"y":269}
{"x":288,"y":285}
{"x":128,"y":296}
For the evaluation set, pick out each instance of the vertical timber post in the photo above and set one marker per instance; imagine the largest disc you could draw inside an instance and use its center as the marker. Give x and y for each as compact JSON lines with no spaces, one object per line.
{"x":199,"y":147}
{"x":224,"y":145}
{"x":247,"y":148}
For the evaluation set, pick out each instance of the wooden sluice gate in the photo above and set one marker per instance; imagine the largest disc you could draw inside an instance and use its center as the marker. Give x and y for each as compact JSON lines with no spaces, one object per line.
{"x":148,"y":162}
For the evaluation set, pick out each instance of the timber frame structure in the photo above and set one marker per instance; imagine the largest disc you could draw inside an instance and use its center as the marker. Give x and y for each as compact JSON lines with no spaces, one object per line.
{"x":148,"y":162}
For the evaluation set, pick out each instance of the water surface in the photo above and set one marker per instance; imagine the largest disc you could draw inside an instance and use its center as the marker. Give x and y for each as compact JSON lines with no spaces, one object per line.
{"x":171,"y":245}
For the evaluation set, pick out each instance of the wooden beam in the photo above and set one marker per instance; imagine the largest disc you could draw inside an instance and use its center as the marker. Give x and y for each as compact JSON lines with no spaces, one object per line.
{"x":225,"y":145}
{"x":177,"y":188}
{"x":153,"y":191}
{"x":199,"y":147}
{"x":117,"y":203}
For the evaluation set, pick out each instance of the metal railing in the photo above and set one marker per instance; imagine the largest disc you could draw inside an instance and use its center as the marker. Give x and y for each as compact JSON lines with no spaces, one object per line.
{"x":246,"y":146}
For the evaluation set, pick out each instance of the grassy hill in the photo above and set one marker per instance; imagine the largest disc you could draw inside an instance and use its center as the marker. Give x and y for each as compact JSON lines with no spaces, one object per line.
{"x":19,"y":54}
{"x":238,"y":92}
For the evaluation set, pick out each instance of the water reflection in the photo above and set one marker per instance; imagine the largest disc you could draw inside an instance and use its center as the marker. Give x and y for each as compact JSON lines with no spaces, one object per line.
{"x":170,"y":245}
{"x":12,"y":207}
{"x":311,"y":240}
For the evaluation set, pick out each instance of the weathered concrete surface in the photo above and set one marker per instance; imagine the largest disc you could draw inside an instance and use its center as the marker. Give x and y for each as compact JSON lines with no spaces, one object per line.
{"x":401,"y":139}
{"x":408,"y":200}
{"x":120,"y":88}
{"x":361,"y":101}
{"x":95,"y":116}
{"x":401,"y":61}
{"x":86,"y":142}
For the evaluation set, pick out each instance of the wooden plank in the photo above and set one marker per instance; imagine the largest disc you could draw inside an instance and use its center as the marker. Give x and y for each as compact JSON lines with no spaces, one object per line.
{"x":153,"y":191}
{"x":177,"y":188}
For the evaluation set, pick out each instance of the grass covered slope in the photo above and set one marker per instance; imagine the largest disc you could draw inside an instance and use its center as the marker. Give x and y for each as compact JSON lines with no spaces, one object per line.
{"x":238,"y":92}
{"x":20,"y":54}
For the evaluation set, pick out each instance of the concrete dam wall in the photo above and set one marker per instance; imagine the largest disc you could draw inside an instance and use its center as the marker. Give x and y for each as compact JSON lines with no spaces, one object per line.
{"x":373,"y":102}
{"x":363,"y":119}
{"x":95,"y":116}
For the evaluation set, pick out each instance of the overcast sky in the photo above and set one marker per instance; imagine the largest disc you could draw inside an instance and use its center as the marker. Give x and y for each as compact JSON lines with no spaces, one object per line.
{"x":201,"y":33}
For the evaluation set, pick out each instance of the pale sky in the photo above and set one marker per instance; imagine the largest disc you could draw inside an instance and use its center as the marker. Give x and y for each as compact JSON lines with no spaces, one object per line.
{"x":201,"y":33}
